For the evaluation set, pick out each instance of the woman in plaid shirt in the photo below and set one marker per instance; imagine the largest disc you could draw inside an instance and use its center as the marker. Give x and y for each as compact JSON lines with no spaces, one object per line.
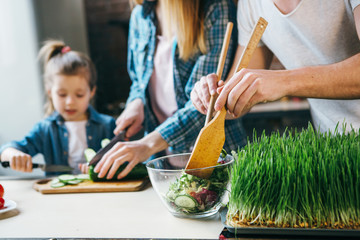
{"x":171,"y":45}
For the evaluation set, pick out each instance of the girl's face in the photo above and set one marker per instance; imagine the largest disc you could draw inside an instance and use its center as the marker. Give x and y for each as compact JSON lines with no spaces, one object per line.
{"x":70,"y":96}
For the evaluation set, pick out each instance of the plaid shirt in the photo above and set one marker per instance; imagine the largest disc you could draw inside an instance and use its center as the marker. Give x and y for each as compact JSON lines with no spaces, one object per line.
{"x":182,"y":128}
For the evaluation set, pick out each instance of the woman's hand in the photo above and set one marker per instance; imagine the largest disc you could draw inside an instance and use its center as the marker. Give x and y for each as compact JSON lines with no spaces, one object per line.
{"x":131,"y":118}
{"x":18,"y":160}
{"x":202,"y":91}
{"x":132,"y":152}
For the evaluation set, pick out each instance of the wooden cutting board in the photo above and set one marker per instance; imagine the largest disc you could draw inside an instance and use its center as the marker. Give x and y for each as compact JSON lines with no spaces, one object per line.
{"x":43,"y":186}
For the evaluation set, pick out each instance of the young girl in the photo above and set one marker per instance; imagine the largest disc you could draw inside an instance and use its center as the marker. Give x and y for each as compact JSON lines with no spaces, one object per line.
{"x":72,"y":124}
{"x":172,"y":43}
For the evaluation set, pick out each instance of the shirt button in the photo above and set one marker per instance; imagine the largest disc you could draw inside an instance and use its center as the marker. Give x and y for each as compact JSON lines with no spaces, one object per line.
{"x":65,"y":134}
{"x":65,"y":152}
{"x":149,"y":58}
{"x":142,"y":86}
{"x":89,"y":137}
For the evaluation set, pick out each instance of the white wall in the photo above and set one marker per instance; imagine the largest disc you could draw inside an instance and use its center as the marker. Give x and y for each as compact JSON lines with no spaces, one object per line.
{"x":62,"y":19}
{"x":24,"y":25}
{"x":20,"y":86}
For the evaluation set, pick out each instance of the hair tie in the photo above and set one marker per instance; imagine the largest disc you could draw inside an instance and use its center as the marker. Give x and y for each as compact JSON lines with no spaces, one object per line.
{"x":65,"y":49}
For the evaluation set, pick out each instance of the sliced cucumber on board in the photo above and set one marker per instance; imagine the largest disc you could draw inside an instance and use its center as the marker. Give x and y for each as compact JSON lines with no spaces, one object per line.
{"x":57,"y":185}
{"x":83,"y":177}
{"x":68,"y":179}
{"x":74,"y":182}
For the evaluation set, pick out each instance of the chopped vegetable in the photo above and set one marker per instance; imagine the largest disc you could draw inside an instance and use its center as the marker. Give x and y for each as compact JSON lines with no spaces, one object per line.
{"x":105,"y":142}
{"x":185,"y":201}
{"x":68,"y":179}
{"x":57,"y":185}
{"x":83,"y":177}
{"x":190,"y":194}
{"x":1,"y":191}
{"x":89,"y":154}
{"x":2,"y":203}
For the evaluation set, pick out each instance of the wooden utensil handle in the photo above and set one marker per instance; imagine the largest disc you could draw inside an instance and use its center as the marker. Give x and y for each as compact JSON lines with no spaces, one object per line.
{"x":256,"y":35}
{"x":244,"y":60}
{"x":220,"y":69}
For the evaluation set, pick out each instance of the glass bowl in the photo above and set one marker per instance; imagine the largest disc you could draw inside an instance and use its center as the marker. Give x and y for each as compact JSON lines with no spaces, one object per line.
{"x":183,"y":193}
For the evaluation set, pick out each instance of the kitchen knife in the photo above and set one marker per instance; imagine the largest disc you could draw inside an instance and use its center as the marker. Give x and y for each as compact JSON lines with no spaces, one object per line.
{"x":45,"y":167}
{"x":102,"y":151}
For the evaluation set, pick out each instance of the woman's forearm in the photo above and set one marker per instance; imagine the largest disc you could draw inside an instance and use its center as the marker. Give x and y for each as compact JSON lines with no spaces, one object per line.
{"x":155,"y":142}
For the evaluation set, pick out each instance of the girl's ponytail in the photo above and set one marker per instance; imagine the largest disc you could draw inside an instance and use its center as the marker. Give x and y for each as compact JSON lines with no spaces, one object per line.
{"x":49,"y":50}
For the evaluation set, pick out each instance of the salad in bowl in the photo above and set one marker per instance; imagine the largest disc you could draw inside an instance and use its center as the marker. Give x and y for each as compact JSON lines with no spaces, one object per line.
{"x":183,"y":193}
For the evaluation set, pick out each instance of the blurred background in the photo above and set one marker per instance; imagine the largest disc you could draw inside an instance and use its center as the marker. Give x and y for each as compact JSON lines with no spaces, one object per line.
{"x":98,"y":28}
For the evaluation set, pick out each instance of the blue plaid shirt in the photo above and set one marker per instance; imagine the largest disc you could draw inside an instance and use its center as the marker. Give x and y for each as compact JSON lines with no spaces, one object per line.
{"x":182,"y":128}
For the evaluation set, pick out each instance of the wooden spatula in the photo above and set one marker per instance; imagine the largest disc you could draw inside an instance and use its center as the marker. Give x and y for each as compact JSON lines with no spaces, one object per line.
{"x":211,"y":138}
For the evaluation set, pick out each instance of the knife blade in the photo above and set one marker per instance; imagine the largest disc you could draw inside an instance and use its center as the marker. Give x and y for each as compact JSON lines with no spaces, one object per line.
{"x":45,"y":167}
{"x":102,"y":151}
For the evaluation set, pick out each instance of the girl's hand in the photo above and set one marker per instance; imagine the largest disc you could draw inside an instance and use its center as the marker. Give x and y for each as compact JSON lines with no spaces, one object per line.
{"x":131,"y":118}
{"x":84,"y":168}
{"x":132,"y":152}
{"x":18,"y":160}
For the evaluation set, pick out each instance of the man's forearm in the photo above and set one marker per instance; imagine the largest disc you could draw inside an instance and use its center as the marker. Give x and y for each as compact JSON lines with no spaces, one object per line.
{"x":335,"y":81}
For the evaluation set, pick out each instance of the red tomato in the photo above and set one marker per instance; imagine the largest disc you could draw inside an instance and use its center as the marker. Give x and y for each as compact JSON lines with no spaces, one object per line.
{"x":2,"y":202}
{"x":1,"y":191}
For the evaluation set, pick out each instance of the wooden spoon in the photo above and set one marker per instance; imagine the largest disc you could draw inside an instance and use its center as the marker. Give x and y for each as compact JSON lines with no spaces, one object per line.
{"x":211,"y":138}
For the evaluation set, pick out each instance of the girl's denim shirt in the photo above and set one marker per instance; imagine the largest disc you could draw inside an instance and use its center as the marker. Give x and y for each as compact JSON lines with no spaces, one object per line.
{"x":181,"y":129}
{"x":50,"y":137}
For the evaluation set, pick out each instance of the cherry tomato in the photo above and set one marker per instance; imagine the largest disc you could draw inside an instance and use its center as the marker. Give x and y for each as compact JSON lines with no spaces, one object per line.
{"x":1,"y":191}
{"x":2,"y":202}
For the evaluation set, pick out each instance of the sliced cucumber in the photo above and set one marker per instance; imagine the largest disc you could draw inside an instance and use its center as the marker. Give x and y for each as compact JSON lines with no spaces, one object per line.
{"x":57,"y":185}
{"x":66,"y":178}
{"x":185,"y":201}
{"x":55,"y":180}
{"x":105,"y":142}
{"x":74,"y":182}
{"x":89,"y":154}
{"x":83,"y":177}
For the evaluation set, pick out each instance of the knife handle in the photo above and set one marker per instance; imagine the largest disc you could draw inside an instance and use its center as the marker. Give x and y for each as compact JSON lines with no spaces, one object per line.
{"x":7,"y":164}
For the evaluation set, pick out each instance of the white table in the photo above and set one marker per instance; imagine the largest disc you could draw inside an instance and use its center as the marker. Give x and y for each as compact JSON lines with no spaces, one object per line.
{"x":96,"y":215}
